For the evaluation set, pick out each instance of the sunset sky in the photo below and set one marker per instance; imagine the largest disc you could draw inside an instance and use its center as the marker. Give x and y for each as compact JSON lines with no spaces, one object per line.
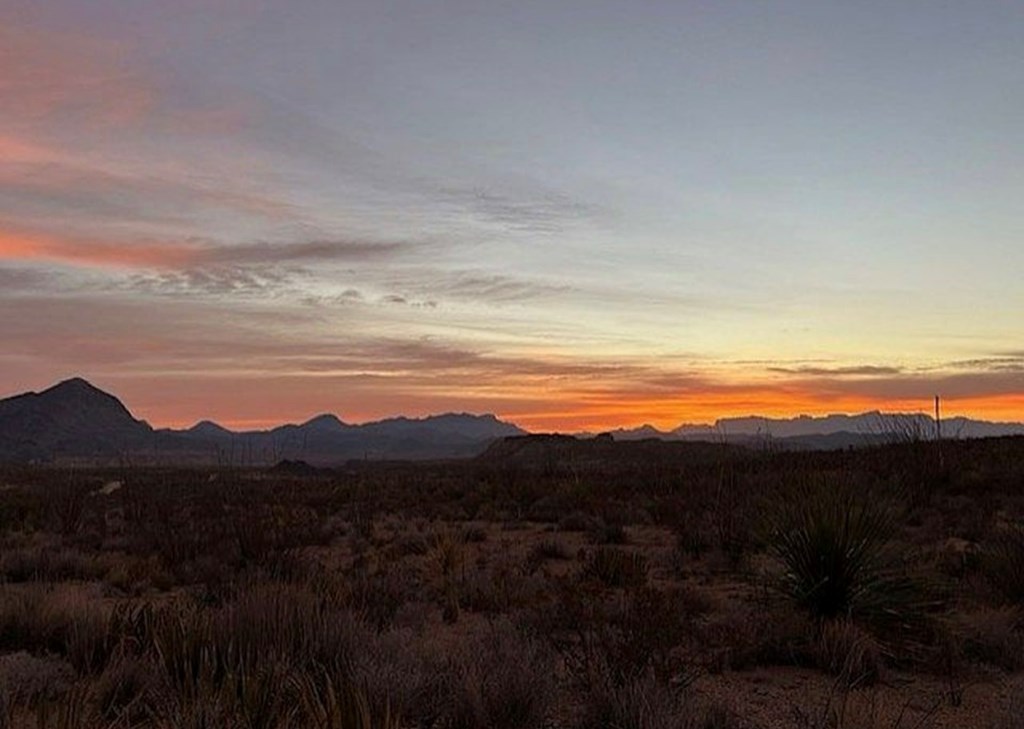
{"x":576,"y":214}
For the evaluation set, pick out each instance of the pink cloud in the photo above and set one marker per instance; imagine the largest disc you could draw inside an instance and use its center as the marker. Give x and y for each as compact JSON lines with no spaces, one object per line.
{"x":90,"y":253}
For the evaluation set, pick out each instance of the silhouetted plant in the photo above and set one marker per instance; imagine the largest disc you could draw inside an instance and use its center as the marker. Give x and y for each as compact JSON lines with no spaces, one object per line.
{"x":836,"y":552}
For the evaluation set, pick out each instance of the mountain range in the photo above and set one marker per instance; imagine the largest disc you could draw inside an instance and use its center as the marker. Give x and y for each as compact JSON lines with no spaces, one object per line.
{"x":829,"y":431}
{"x":75,"y":421}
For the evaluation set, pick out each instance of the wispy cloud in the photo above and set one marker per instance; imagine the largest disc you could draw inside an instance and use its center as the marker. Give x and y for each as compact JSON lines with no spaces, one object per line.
{"x":851,"y":371}
{"x":186,"y":254}
{"x":65,"y":78}
{"x":484,"y":287}
{"x":1009,"y":362}
{"x":18,"y":280}
{"x":88,"y":193}
{"x":319,"y":250}
{"x":536,"y":211}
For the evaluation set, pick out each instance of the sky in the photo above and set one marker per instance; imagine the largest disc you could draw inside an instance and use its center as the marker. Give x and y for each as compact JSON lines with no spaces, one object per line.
{"x":576,"y":214}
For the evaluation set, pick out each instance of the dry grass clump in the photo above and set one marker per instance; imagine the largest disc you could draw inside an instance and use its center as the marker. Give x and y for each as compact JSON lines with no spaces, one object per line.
{"x":49,"y":564}
{"x":501,"y":680}
{"x":501,"y":587}
{"x":642,"y":702}
{"x":615,"y":568}
{"x":843,"y":649}
{"x":994,"y":636}
{"x":39,"y":619}
{"x":549,"y":549}
{"x":1003,"y":563}
{"x":745,"y":636}
{"x":448,"y":555}
{"x":608,"y":642}
{"x":27,"y":679}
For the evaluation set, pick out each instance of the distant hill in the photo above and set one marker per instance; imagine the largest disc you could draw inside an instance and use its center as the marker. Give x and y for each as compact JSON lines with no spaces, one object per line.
{"x":827,"y":432}
{"x":72,"y":417}
{"x":76,"y":421}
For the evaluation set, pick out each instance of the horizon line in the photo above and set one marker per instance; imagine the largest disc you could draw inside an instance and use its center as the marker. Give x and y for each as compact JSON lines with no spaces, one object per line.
{"x":252,"y":425}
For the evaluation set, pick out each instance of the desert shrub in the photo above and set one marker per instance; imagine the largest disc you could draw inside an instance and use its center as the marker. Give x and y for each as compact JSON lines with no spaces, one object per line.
{"x":71,"y":710}
{"x":1003,"y":563}
{"x":543,"y":551}
{"x":448,"y":555}
{"x":376,"y":594}
{"x":410,"y":544}
{"x":746,"y":636}
{"x":26,"y":680}
{"x":498,"y":588}
{"x":273,"y":650}
{"x":646,"y":629}
{"x":551,"y":548}
{"x":995,"y":637}
{"x":329,"y":700}
{"x":41,"y":620}
{"x":692,"y":542}
{"x":642,"y":702}
{"x":67,"y":504}
{"x":504,"y":680}
{"x":22,"y":510}
{"x":125,"y":691}
{"x":576,"y":521}
{"x":616,"y":568}
{"x":49,"y":565}
{"x":605,"y":532}
{"x":637,"y":632}
{"x":474,"y":534}
{"x":552,"y":507}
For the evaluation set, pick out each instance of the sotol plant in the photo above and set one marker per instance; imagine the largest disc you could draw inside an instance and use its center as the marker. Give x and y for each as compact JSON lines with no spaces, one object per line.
{"x":835,"y":547}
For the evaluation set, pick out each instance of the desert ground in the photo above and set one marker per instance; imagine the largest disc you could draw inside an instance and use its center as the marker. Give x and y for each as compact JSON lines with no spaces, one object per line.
{"x":548,"y":583}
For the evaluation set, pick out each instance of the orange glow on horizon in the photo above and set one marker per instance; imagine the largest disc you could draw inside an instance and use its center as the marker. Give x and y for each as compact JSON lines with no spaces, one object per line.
{"x":705,"y":409}
{"x":570,"y":416}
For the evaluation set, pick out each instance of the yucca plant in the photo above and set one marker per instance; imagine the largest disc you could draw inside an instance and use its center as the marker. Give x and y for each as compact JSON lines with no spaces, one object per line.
{"x":835,"y":548}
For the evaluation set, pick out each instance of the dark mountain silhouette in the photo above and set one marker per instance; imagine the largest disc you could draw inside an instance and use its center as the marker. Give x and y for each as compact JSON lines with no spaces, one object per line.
{"x":72,"y":417}
{"x":209,"y":429}
{"x":76,"y":421}
{"x":326,"y":440}
{"x":829,"y":431}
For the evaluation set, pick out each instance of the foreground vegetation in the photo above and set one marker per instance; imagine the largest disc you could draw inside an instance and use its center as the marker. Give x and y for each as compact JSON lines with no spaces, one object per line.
{"x":585,"y":587}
